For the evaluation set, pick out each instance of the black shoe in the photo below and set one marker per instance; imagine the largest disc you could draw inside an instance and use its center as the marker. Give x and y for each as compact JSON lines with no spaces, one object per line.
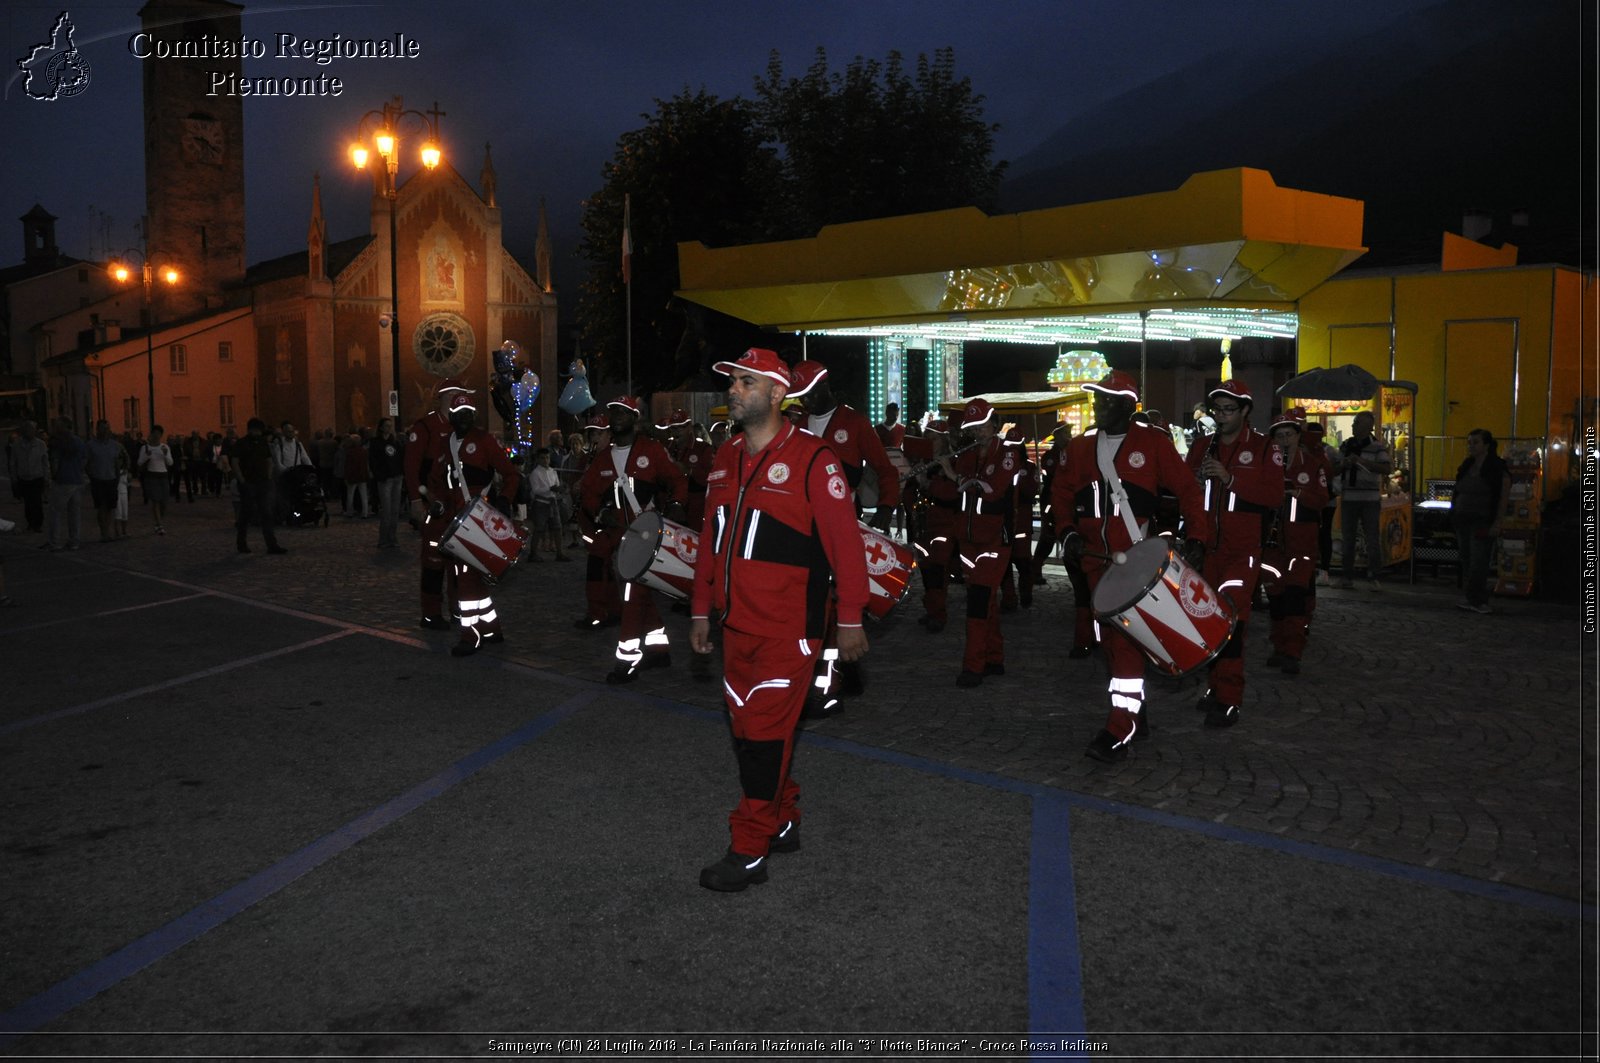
{"x":436,"y":623}
{"x":1027,"y":601}
{"x":700,"y":665}
{"x":851,"y":684}
{"x":276,"y":550}
{"x":1008,"y":607}
{"x":1207,"y":702}
{"x":1078,"y":653}
{"x":1141,"y":726}
{"x":493,"y":638}
{"x":1291,"y":665}
{"x":1277,"y":660}
{"x":1106,"y":749}
{"x":621,"y":674}
{"x":994,"y":669}
{"x":589,"y":623}
{"x":821,"y":707}
{"x":969,"y":679}
{"x":734,"y":872}
{"x":656,"y":660}
{"x":464,"y":649}
{"x":787,"y":840}
{"x":1222,"y":715}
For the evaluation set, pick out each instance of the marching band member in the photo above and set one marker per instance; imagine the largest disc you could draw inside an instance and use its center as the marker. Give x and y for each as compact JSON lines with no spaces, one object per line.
{"x":1104,"y":496}
{"x":1083,"y":613}
{"x":628,"y":475}
{"x":1289,"y":562}
{"x":984,"y":474}
{"x":455,"y":481}
{"x":779,"y":520}
{"x":851,"y":435}
{"x":693,"y":455}
{"x":425,"y":446}
{"x":1241,"y":475}
{"x":936,"y":543}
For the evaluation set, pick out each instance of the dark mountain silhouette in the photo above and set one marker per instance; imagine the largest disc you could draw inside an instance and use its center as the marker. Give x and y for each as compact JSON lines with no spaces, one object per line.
{"x":1469,"y":105}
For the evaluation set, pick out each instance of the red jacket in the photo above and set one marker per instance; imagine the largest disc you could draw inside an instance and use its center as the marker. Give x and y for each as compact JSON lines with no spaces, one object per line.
{"x":481,"y":456}
{"x":695,"y":460}
{"x":855,"y":440}
{"x":424,"y":447}
{"x":1305,"y":485}
{"x":986,"y":499}
{"x":652,"y":474}
{"x":1147,"y":464}
{"x":1242,"y":510}
{"x":776,"y":522}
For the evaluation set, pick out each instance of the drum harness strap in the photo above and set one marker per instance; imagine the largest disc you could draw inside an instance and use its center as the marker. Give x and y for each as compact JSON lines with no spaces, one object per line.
{"x":1105,"y":457}
{"x":461,"y":475}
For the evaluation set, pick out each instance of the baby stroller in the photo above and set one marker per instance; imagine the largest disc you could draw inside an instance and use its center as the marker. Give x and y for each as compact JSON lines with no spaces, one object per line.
{"x":300,"y":502}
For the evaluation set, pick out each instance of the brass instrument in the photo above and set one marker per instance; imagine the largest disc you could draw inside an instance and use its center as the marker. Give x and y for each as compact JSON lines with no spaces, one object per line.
{"x":922,"y":467}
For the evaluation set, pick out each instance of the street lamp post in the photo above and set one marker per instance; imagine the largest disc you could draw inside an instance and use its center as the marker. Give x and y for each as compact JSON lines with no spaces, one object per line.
{"x":382,"y":129}
{"x":149,"y":271}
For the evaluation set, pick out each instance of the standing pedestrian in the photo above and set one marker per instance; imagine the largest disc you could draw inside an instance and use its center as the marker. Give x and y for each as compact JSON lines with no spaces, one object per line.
{"x":779,"y":520}
{"x":155,"y":475}
{"x":254,"y":471}
{"x":356,"y":474}
{"x":1483,"y":484}
{"x":68,"y":459}
{"x":1362,"y":464}
{"x":387,"y":461}
{"x":29,"y":468}
{"x":107,"y":461}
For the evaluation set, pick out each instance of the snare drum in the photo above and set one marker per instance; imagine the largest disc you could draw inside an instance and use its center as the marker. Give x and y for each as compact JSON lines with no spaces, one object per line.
{"x":483,"y":538}
{"x":1166,"y":607}
{"x":889,"y":568}
{"x":659,"y":553}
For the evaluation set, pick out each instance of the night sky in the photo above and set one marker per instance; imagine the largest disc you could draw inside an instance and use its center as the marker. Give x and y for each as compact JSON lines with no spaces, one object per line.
{"x":552,"y":85}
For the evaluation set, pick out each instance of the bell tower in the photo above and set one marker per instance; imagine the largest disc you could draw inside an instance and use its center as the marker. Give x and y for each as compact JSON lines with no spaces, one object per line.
{"x":193,"y":154}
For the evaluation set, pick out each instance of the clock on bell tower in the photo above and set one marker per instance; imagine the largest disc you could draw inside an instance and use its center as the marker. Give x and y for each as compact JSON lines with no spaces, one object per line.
{"x":193,"y":154}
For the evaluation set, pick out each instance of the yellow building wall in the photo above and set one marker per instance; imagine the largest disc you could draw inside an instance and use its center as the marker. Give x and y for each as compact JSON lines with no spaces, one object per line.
{"x":1496,"y":348}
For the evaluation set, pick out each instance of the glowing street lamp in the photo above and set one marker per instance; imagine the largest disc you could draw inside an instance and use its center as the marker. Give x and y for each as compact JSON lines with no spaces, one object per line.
{"x":382,"y":129}
{"x":149,"y":273}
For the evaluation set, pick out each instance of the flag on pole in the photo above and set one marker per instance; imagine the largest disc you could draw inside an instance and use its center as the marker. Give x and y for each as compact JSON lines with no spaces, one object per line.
{"x":627,"y":241}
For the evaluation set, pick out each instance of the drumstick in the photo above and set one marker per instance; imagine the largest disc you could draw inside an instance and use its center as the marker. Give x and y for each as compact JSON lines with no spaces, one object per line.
{"x":1116,"y":557}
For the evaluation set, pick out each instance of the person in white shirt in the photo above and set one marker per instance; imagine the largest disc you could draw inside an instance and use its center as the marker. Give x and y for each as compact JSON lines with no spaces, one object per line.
{"x":545,"y":485}
{"x":155,"y":470}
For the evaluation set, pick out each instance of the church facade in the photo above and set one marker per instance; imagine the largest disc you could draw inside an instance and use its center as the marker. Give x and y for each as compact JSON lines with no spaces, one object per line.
{"x":308,"y":337}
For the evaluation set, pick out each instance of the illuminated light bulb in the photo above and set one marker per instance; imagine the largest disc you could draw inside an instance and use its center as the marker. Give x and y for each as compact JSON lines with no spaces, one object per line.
{"x":385,"y":142}
{"x":358,"y":155}
{"x":120,"y":272}
{"x":430,"y":155}
{"x":169,"y":275}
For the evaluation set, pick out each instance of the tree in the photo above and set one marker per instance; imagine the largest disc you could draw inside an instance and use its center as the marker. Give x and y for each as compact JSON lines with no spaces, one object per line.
{"x":697,"y":170}
{"x":871,"y":141}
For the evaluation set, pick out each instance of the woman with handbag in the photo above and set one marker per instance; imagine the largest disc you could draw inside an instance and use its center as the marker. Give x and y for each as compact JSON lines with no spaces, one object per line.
{"x":155,"y":469}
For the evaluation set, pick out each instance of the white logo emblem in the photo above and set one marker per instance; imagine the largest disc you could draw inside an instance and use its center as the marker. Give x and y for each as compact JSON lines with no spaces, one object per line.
{"x":412,"y":437}
{"x":1196,"y":597}
{"x":1136,"y":460}
{"x":778,"y":473}
{"x":988,"y":470}
{"x":470,"y":448}
{"x":1277,"y":457}
{"x":838,"y":488}
{"x":880,"y":554}
{"x":841,"y":436}
{"x":644,"y":461}
{"x":1305,"y":477}
{"x":694,"y":459}
{"x":1246,"y":457}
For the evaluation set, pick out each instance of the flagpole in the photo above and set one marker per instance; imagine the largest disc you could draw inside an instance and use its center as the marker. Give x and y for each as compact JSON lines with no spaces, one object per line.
{"x":627,"y":281}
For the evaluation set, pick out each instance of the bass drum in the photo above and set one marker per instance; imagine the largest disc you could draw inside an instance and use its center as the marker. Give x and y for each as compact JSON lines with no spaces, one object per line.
{"x":1166,"y":607}
{"x":658,"y":553}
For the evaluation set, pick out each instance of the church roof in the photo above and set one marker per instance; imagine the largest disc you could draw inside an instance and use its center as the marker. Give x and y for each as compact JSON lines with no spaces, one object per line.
{"x":28,"y":270}
{"x":340,"y":255}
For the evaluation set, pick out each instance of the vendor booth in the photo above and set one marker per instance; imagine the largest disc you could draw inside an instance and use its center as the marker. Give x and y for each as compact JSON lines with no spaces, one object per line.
{"x":1333,"y":397}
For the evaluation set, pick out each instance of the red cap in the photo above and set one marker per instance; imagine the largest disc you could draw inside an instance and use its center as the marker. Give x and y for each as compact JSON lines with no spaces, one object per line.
{"x":459,"y":399}
{"x":626,"y":402}
{"x":1233,"y":389}
{"x":806,"y":375}
{"x":597,"y":423}
{"x":1117,"y":383}
{"x":1014,"y":435}
{"x":977,"y":412}
{"x":452,"y":383}
{"x":761,"y":362}
{"x":677,"y":418}
{"x":938,"y":426}
{"x":1294,"y":417}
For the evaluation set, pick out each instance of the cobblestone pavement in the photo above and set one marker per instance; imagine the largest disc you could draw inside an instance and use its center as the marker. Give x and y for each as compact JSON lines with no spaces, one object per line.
{"x":1416,"y":731}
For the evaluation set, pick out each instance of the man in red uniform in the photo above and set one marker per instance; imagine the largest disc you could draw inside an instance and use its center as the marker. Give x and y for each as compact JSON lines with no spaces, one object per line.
{"x":851,"y":435}
{"x":455,"y":481}
{"x":630,"y":474}
{"x":1241,"y":475}
{"x":425,"y":446}
{"x":1119,"y":457}
{"x":779,"y":519}
{"x":984,"y":475}
{"x":935,"y":543}
{"x":1289,"y":562}
{"x":693,"y":456}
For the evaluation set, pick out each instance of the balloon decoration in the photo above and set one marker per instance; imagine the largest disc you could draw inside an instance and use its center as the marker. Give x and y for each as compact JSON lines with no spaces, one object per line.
{"x":514,"y":388}
{"x":576,"y":397}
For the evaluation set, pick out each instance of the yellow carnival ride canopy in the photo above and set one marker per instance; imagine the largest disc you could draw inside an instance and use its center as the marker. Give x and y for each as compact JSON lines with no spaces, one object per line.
{"x":1226,"y":255}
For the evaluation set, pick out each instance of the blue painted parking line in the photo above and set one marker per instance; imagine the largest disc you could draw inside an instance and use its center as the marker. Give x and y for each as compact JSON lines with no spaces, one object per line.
{"x":1055,"y":962}
{"x":44,"y":1008}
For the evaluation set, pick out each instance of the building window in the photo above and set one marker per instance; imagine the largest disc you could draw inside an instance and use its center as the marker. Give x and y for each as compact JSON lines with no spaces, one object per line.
{"x":225,"y":410}
{"x":178,"y":358}
{"x":130,"y":415}
{"x":224,"y":352}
